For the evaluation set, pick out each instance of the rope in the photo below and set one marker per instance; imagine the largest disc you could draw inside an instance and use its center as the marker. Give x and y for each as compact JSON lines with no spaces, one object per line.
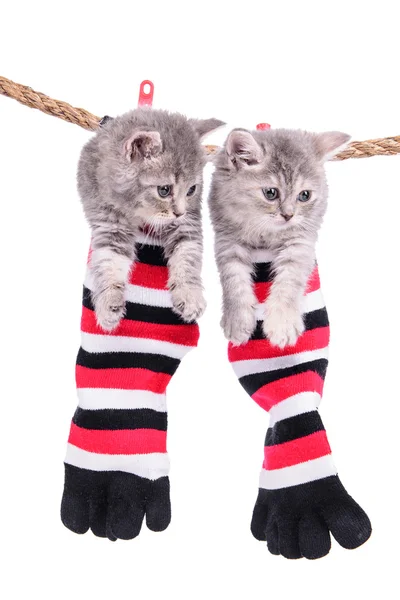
{"x":57,"y":108}
{"x":379,"y":147}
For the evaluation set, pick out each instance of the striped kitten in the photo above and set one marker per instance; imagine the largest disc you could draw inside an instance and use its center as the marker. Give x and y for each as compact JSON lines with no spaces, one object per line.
{"x":269,"y":191}
{"x":143,"y":170}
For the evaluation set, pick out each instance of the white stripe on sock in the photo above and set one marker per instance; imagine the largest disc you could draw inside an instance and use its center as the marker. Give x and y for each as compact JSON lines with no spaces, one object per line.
{"x":298,"y":474}
{"x":139,"y":295}
{"x":96,"y":342}
{"x":151,"y":297}
{"x":99,"y":398}
{"x":311,"y":301}
{"x":298,"y":404}
{"x":260,"y":311}
{"x":261,"y":365}
{"x":261,"y":256}
{"x":151,"y":466}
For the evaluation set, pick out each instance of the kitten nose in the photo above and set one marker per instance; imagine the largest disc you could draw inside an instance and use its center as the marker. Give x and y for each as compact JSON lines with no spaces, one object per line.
{"x":287,"y":216}
{"x":177,"y":213}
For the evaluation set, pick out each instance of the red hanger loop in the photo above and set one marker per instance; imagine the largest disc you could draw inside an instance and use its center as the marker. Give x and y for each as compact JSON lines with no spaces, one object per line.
{"x":146,"y":92}
{"x":263,"y":126}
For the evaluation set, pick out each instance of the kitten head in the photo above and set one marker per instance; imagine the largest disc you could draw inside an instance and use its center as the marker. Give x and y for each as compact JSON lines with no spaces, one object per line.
{"x":274,"y":180}
{"x":147,"y":165}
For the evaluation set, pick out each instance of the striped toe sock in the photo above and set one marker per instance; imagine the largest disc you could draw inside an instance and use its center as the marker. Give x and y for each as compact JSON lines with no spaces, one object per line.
{"x":116,"y":467}
{"x":301,"y":498}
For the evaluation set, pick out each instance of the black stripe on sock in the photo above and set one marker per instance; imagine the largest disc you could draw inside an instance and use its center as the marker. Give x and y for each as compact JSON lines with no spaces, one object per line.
{"x":312,"y":320}
{"x":151,"y":255}
{"x":113,"y":418}
{"x":262,"y":272}
{"x":254,"y":382}
{"x":127,"y":360}
{"x":316,"y":318}
{"x":152,"y":314}
{"x":141,"y":312}
{"x":293,"y":428}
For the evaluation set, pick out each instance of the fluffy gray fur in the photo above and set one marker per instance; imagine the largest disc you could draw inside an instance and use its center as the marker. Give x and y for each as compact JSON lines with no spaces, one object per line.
{"x":290,"y":161}
{"x":118,"y":175}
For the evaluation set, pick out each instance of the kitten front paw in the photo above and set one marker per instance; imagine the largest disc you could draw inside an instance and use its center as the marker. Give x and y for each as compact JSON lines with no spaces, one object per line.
{"x":109,"y":306}
{"x":239,"y":326}
{"x":189,"y":303}
{"x":283,"y":326}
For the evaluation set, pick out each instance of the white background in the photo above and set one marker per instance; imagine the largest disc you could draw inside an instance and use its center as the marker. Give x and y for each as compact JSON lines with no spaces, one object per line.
{"x":313,"y":65}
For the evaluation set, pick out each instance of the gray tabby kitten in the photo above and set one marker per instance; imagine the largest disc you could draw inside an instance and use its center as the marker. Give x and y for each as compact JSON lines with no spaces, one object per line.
{"x":269,"y":191}
{"x":144,"y":170}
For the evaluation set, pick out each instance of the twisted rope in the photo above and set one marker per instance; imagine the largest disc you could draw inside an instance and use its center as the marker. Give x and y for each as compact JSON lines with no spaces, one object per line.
{"x":380,"y":147}
{"x":57,"y":108}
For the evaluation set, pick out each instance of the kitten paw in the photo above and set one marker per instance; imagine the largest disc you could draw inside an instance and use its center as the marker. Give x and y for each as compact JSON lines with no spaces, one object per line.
{"x":239,"y":327}
{"x":189,"y":303}
{"x":283,"y":326}
{"x":110,"y":307}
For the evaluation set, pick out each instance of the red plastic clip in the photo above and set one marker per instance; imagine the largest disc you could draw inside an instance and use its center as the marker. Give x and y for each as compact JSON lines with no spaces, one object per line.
{"x":146,"y":92}
{"x":263,"y":126}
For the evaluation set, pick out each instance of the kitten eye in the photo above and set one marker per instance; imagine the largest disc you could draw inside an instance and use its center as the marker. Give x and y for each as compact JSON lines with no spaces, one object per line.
{"x":271,"y":194}
{"x":164,"y":191}
{"x":191,"y":191}
{"x":304,"y":196}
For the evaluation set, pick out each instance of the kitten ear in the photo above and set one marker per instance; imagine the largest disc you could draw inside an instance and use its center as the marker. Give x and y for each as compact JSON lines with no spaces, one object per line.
{"x":205,"y":126}
{"x":242,"y":148}
{"x":329,"y":143}
{"x":143,"y":144}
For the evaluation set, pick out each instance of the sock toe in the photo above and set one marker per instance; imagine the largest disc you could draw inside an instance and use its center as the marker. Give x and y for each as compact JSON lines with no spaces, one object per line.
{"x":289,"y":539}
{"x":125,"y":519}
{"x":314,"y":537}
{"x":98,"y":518}
{"x":158,"y":514}
{"x":349,"y":524}
{"x":259,"y":522}
{"x":75,"y":512}
{"x":272,"y":534}
{"x":158,"y":509}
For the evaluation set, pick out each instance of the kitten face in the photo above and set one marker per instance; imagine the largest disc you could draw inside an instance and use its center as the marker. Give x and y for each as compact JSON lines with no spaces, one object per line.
{"x":274,"y":181}
{"x":169,"y":200}
{"x":146,"y":165}
{"x":168,"y":189}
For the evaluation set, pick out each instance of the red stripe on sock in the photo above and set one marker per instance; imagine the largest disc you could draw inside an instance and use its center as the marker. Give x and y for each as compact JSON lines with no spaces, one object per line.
{"x":121,"y":379}
{"x":297,"y":451}
{"x":313,"y":283}
{"x":261,"y":290}
{"x":309,"y":340}
{"x":122,"y":441}
{"x":149,"y":276}
{"x":276,"y":391}
{"x":187,"y":335}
